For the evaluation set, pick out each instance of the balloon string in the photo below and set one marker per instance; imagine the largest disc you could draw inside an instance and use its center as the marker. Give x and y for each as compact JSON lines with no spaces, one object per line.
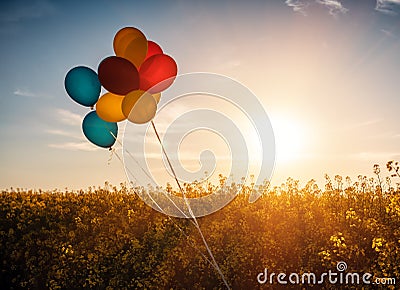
{"x":212,"y":263}
{"x":166,"y":195}
{"x":134,"y":190}
{"x":174,"y":223}
{"x":160,"y":208}
{"x":150,"y":178}
{"x":190,"y":209}
{"x":130,"y":172}
{"x":122,"y":162}
{"x":112,"y":152}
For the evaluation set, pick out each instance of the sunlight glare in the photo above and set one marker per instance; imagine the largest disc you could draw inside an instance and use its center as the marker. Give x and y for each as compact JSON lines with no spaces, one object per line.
{"x":290,"y":138}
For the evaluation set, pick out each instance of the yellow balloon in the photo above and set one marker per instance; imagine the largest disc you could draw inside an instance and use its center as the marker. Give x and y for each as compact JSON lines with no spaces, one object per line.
{"x":109,"y":108}
{"x":131,"y":44}
{"x":157,"y":97}
{"x":139,"y":107}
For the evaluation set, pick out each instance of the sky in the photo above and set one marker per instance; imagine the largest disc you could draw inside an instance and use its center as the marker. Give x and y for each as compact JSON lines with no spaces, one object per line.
{"x":325,"y":71}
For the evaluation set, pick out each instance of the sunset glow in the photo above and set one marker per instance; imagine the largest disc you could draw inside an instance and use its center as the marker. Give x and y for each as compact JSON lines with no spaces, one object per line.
{"x":326,"y":75}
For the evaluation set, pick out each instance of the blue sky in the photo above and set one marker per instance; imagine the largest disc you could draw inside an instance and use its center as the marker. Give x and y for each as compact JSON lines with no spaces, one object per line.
{"x":326,"y":72}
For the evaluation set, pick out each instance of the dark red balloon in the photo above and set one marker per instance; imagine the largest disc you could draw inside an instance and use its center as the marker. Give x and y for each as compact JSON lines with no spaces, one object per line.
{"x":152,"y":49}
{"x":157,"y":73}
{"x":118,"y":75}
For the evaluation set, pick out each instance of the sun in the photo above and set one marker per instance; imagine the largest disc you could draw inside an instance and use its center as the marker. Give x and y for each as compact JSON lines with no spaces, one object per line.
{"x":290,"y":138}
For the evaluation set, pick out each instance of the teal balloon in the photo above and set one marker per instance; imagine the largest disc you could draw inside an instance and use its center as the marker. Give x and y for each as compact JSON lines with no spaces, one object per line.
{"x":83,"y":86}
{"x":98,"y":131}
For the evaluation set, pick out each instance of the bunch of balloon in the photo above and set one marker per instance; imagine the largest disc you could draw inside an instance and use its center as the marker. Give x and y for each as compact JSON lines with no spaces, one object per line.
{"x":134,"y":78}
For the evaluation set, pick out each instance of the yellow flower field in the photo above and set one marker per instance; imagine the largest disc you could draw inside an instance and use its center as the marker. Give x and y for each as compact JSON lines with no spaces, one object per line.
{"x":108,"y":238}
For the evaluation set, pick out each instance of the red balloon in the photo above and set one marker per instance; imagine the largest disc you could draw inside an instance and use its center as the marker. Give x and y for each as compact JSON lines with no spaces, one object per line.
{"x":157,"y":73}
{"x":152,"y":49}
{"x":118,"y":75}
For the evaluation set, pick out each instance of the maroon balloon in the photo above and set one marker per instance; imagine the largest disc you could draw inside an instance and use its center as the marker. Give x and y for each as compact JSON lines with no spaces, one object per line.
{"x":118,"y":75}
{"x":157,"y":73}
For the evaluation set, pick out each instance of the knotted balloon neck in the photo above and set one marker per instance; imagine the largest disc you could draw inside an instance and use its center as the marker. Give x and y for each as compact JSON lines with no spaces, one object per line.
{"x":112,"y":152}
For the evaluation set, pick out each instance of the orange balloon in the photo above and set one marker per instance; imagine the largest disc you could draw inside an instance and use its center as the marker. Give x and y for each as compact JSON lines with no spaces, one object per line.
{"x":139,"y":107}
{"x":131,"y":44}
{"x":109,"y":107}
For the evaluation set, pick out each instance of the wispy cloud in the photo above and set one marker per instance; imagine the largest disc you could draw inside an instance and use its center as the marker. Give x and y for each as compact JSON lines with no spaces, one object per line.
{"x":75,"y":146}
{"x":80,"y":143}
{"x":24,"y":93}
{"x":388,"y":33}
{"x":68,"y":117}
{"x":191,"y":155}
{"x":13,"y":14}
{"x":73,"y":140}
{"x":335,"y":7}
{"x":16,"y":11}
{"x":368,"y":123}
{"x":375,"y":156}
{"x":64,"y":133}
{"x":388,"y":6}
{"x":298,"y":6}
